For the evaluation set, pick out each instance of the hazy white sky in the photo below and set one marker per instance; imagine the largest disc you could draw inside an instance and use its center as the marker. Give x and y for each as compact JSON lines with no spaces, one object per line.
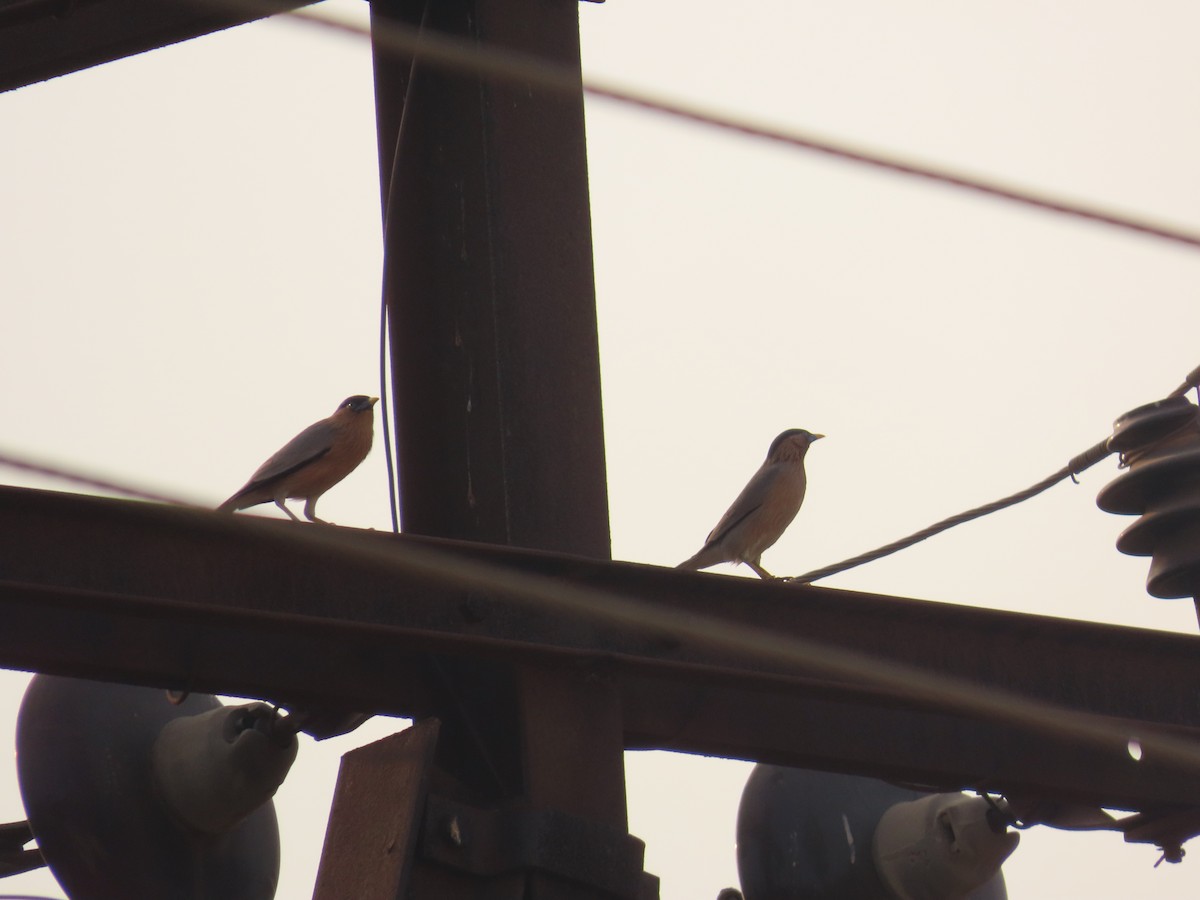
{"x":191,"y":275}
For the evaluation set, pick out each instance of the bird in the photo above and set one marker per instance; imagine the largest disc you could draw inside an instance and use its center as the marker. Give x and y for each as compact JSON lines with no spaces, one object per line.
{"x":313,"y":461}
{"x":763,"y":510}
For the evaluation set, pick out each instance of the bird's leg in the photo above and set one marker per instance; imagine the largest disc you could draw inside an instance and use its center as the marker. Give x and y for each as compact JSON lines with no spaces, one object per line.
{"x":310,"y":511}
{"x":291,"y":515}
{"x":759,"y":570}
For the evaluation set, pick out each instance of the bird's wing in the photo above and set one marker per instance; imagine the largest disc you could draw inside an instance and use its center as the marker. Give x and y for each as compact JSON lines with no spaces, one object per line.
{"x":311,"y":444}
{"x":753,"y":495}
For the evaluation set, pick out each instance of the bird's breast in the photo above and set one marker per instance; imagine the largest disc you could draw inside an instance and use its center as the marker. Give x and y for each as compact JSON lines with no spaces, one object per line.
{"x":350,"y":446}
{"x":775,"y":514}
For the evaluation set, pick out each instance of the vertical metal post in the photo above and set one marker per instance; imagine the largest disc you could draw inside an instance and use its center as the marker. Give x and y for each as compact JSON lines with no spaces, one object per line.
{"x":489,"y":287}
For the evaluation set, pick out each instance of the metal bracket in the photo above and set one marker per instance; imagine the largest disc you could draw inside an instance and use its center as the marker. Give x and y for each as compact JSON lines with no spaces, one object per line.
{"x":490,"y":842}
{"x":1167,"y":830}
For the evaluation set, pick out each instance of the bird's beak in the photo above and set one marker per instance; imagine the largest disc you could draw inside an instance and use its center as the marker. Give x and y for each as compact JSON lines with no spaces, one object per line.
{"x":816,"y":437}
{"x":374,"y":400}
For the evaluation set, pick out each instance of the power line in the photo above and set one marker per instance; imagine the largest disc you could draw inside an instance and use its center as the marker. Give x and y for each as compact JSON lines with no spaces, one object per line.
{"x":1192,"y":380}
{"x":15,"y":461}
{"x":462,"y":56}
{"x":388,"y":262}
{"x":1078,"y":464}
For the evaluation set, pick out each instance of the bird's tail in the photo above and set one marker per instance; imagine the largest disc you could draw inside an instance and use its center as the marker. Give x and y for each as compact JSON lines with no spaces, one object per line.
{"x":233,"y":503}
{"x":704,"y":558}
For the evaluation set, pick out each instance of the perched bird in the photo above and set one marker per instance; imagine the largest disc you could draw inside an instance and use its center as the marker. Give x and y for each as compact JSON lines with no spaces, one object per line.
{"x":763,"y":510}
{"x":313,"y":461}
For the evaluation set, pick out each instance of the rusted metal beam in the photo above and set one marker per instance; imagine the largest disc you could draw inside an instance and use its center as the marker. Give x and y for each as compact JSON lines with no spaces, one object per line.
{"x":41,"y":39}
{"x":260,"y":608}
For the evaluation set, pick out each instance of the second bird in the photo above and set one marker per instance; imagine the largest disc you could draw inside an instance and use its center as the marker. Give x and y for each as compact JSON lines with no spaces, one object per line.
{"x":313,"y":461}
{"x":763,"y":510}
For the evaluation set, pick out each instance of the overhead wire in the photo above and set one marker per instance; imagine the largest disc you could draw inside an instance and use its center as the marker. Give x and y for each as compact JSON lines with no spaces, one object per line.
{"x":23,"y":463}
{"x":1077,"y":464}
{"x":385,"y":414}
{"x":455,"y":54}
{"x":389,"y":204}
{"x":1192,"y":381}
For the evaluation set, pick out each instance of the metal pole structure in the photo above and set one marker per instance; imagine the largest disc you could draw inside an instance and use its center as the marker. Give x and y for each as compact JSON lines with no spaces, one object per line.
{"x":489,"y":287}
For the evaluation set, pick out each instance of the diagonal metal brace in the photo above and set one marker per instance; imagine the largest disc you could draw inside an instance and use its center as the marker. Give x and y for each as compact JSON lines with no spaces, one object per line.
{"x":490,"y":842}
{"x":14,"y":858}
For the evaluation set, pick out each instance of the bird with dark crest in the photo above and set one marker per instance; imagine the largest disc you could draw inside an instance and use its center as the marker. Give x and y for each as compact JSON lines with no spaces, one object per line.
{"x":763,"y":510}
{"x":313,"y":461}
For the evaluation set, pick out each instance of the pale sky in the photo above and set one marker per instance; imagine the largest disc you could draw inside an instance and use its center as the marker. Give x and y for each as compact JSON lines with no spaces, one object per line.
{"x":192,"y":275}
